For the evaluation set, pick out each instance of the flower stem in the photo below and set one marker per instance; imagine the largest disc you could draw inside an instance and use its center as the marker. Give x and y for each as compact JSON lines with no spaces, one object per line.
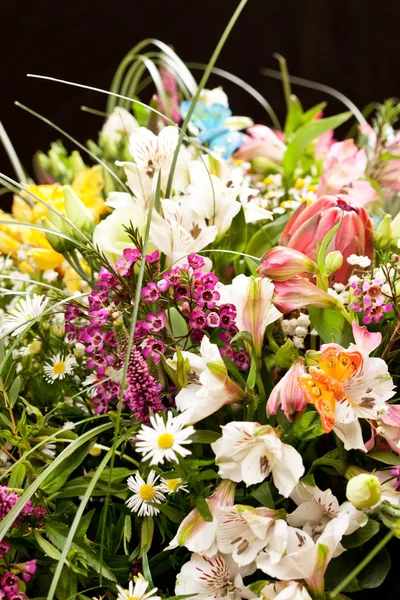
{"x":362,"y":564}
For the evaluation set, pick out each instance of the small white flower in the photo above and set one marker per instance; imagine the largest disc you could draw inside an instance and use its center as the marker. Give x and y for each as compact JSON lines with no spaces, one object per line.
{"x":58,"y":367}
{"x":361,"y":261}
{"x":298,"y":342}
{"x":170,"y":486}
{"x":50,"y":275}
{"x":303,"y":321}
{"x":137,"y":590}
{"x":68,"y":426}
{"x":301,"y":331}
{"x":49,"y":450}
{"x":144,"y":492}
{"x":20,"y":317}
{"x":32,"y":348}
{"x":164,"y":440}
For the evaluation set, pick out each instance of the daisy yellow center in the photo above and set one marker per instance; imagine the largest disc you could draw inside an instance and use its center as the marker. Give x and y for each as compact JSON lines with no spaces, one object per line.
{"x":299,"y":184}
{"x":147,"y":492}
{"x":133,"y":598}
{"x":268,"y":181}
{"x":165,"y":441}
{"x":172,"y":484}
{"x":58,"y":368}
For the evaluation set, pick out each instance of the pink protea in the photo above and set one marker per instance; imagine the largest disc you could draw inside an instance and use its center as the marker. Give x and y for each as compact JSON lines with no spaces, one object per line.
{"x":308,"y":226}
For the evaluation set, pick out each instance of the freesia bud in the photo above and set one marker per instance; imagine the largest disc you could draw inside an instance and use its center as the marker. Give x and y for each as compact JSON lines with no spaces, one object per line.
{"x":333,"y":261}
{"x":364,"y":490}
{"x":287,"y":393}
{"x":282,"y":263}
{"x":77,"y":212}
{"x":383,"y":234}
{"x":199,"y":535}
{"x":298,"y":292}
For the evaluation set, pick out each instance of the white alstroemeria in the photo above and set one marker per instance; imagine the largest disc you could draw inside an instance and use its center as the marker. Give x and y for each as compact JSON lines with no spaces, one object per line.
{"x":284,"y":590}
{"x":110,"y":235}
{"x":389,"y":490}
{"x":249,"y":452}
{"x":145,"y":494}
{"x":212,"y":388}
{"x":151,"y":152}
{"x":244,"y":531}
{"x":164,"y":440}
{"x":120,"y":122}
{"x":138,"y":590}
{"x":58,"y":367}
{"x":180,"y":231}
{"x":21,"y":316}
{"x":199,"y":535}
{"x":305,"y":559}
{"x":252,"y":298}
{"x":316,"y":508}
{"x":216,"y":578}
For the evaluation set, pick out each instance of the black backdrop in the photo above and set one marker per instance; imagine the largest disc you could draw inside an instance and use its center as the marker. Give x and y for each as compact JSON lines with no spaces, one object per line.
{"x":351,"y":45}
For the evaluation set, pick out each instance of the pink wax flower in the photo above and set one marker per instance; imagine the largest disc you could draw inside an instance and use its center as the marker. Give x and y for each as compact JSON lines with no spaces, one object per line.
{"x":4,"y":548}
{"x":281,"y":263}
{"x":309,"y":224}
{"x":9,"y":583}
{"x":368,"y":299}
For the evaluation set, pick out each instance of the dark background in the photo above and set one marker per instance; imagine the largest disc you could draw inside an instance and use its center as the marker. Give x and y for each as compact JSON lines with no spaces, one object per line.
{"x":351,"y":45}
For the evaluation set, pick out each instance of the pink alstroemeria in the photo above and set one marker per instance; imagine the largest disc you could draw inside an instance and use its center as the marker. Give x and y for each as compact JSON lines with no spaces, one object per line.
{"x":199,"y":535}
{"x":308,"y":226}
{"x":298,"y":292}
{"x":281,"y":263}
{"x":261,"y":141}
{"x":287,"y":393}
{"x":344,"y":166}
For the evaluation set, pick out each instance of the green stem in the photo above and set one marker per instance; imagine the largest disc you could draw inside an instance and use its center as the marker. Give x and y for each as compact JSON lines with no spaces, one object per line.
{"x":345,"y":582}
{"x":202,"y":84}
{"x":121,"y":454}
{"x":285,"y":79}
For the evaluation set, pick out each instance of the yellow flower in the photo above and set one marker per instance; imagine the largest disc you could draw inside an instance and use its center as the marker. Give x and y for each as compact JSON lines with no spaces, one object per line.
{"x":88,"y":186}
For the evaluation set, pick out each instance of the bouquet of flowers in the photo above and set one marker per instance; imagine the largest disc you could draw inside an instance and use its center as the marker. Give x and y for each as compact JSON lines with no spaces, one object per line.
{"x":200,"y":332}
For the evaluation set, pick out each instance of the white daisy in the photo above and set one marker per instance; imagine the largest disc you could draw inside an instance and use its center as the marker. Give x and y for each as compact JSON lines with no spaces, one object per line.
{"x":58,"y":367}
{"x":164,"y":440}
{"x":169,"y":486}
{"x":50,"y":275}
{"x":137,"y":590}
{"x":145,"y":493}
{"x":33,"y":348}
{"x":20,"y":317}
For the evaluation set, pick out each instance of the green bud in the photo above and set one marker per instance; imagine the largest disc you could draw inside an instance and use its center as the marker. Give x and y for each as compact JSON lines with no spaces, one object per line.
{"x":396,"y":228}
{"x":264,"y":165}
{"x":333,"y":262}
{"x":77,"y":212}
{"x":76,"y":163}
{"x":364,"y":490}
{"x":58,"y":243}
{"x":109,"y":147}
{"x":383,"y":235}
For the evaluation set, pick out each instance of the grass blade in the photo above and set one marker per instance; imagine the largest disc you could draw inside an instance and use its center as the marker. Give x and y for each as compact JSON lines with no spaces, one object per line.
{"x":12,"y":155}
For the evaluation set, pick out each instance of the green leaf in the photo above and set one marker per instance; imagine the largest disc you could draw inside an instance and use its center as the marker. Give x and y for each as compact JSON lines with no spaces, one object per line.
{"x":312,"y":112}
{"x":375,"y":572}
{"x":267,"y":236}
{"x":14,"y":391}
{"x":361,"y":535}
{"x":308,"y":426}
{"x":205,"y":437}
{"x":389,"y":458}
{"x":305,"y":135}
{"x":286,"y":355}
{"x":147,"y":531}
{"x":237,"y":233}
{"x":84,"y":524}
{"x":324,"y":246}
{"x":146,"y":568}
{"x":331,"y":326}
{"x":294,"y":115}
{"x":252,"y":265}
{"x":178,"y":323}
{"x":263,"y":495}
{"x":173,"y":514}
{"x":127,"y":532}
{"x":47,"y":548}
{"x":17,"y":476}
{"x":203,"y":509}
{"x":59,"y":476}
{"x":141,"y":112}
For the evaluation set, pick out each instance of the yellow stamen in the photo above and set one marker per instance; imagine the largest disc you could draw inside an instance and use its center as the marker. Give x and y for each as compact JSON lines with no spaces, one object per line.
{"x":147,"y":492}
{"x":268,"y":180}
{"x":58,"y":368}
{"x":299,"y":184}
{"x":165,"y":441}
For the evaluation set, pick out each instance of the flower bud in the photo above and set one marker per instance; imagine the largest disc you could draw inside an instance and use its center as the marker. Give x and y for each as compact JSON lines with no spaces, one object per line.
{"x":281,"y":263}
{"x":383,"y":234}
{"x":95,"y":451}
{"x":333,"y":262}
{"x":79,"y":350}
{"x":58,"y":329}
{"x":77,"y":212}
{"x":298,"y":292}
{"x":364,"y":490}
{"x":58,"y":243}
{"x":287,"y":393}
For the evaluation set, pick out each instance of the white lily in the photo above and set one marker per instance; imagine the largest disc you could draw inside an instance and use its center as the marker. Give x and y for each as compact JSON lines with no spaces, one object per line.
{"x":180,"y":231}
{"x":216,"y":578}
{"x":316,"y":508}
{"x":305,"y":559}
{"x":252,"y":298}
{"x":212,"y":388}
{"x":199,"y":535}
{"x":249,"y":452}
{"x":244,"y":531}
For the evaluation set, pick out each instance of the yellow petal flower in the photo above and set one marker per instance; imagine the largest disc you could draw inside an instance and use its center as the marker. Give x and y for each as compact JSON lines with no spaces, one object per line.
{"x":88,"y":185}
{"x":45,"y":258}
